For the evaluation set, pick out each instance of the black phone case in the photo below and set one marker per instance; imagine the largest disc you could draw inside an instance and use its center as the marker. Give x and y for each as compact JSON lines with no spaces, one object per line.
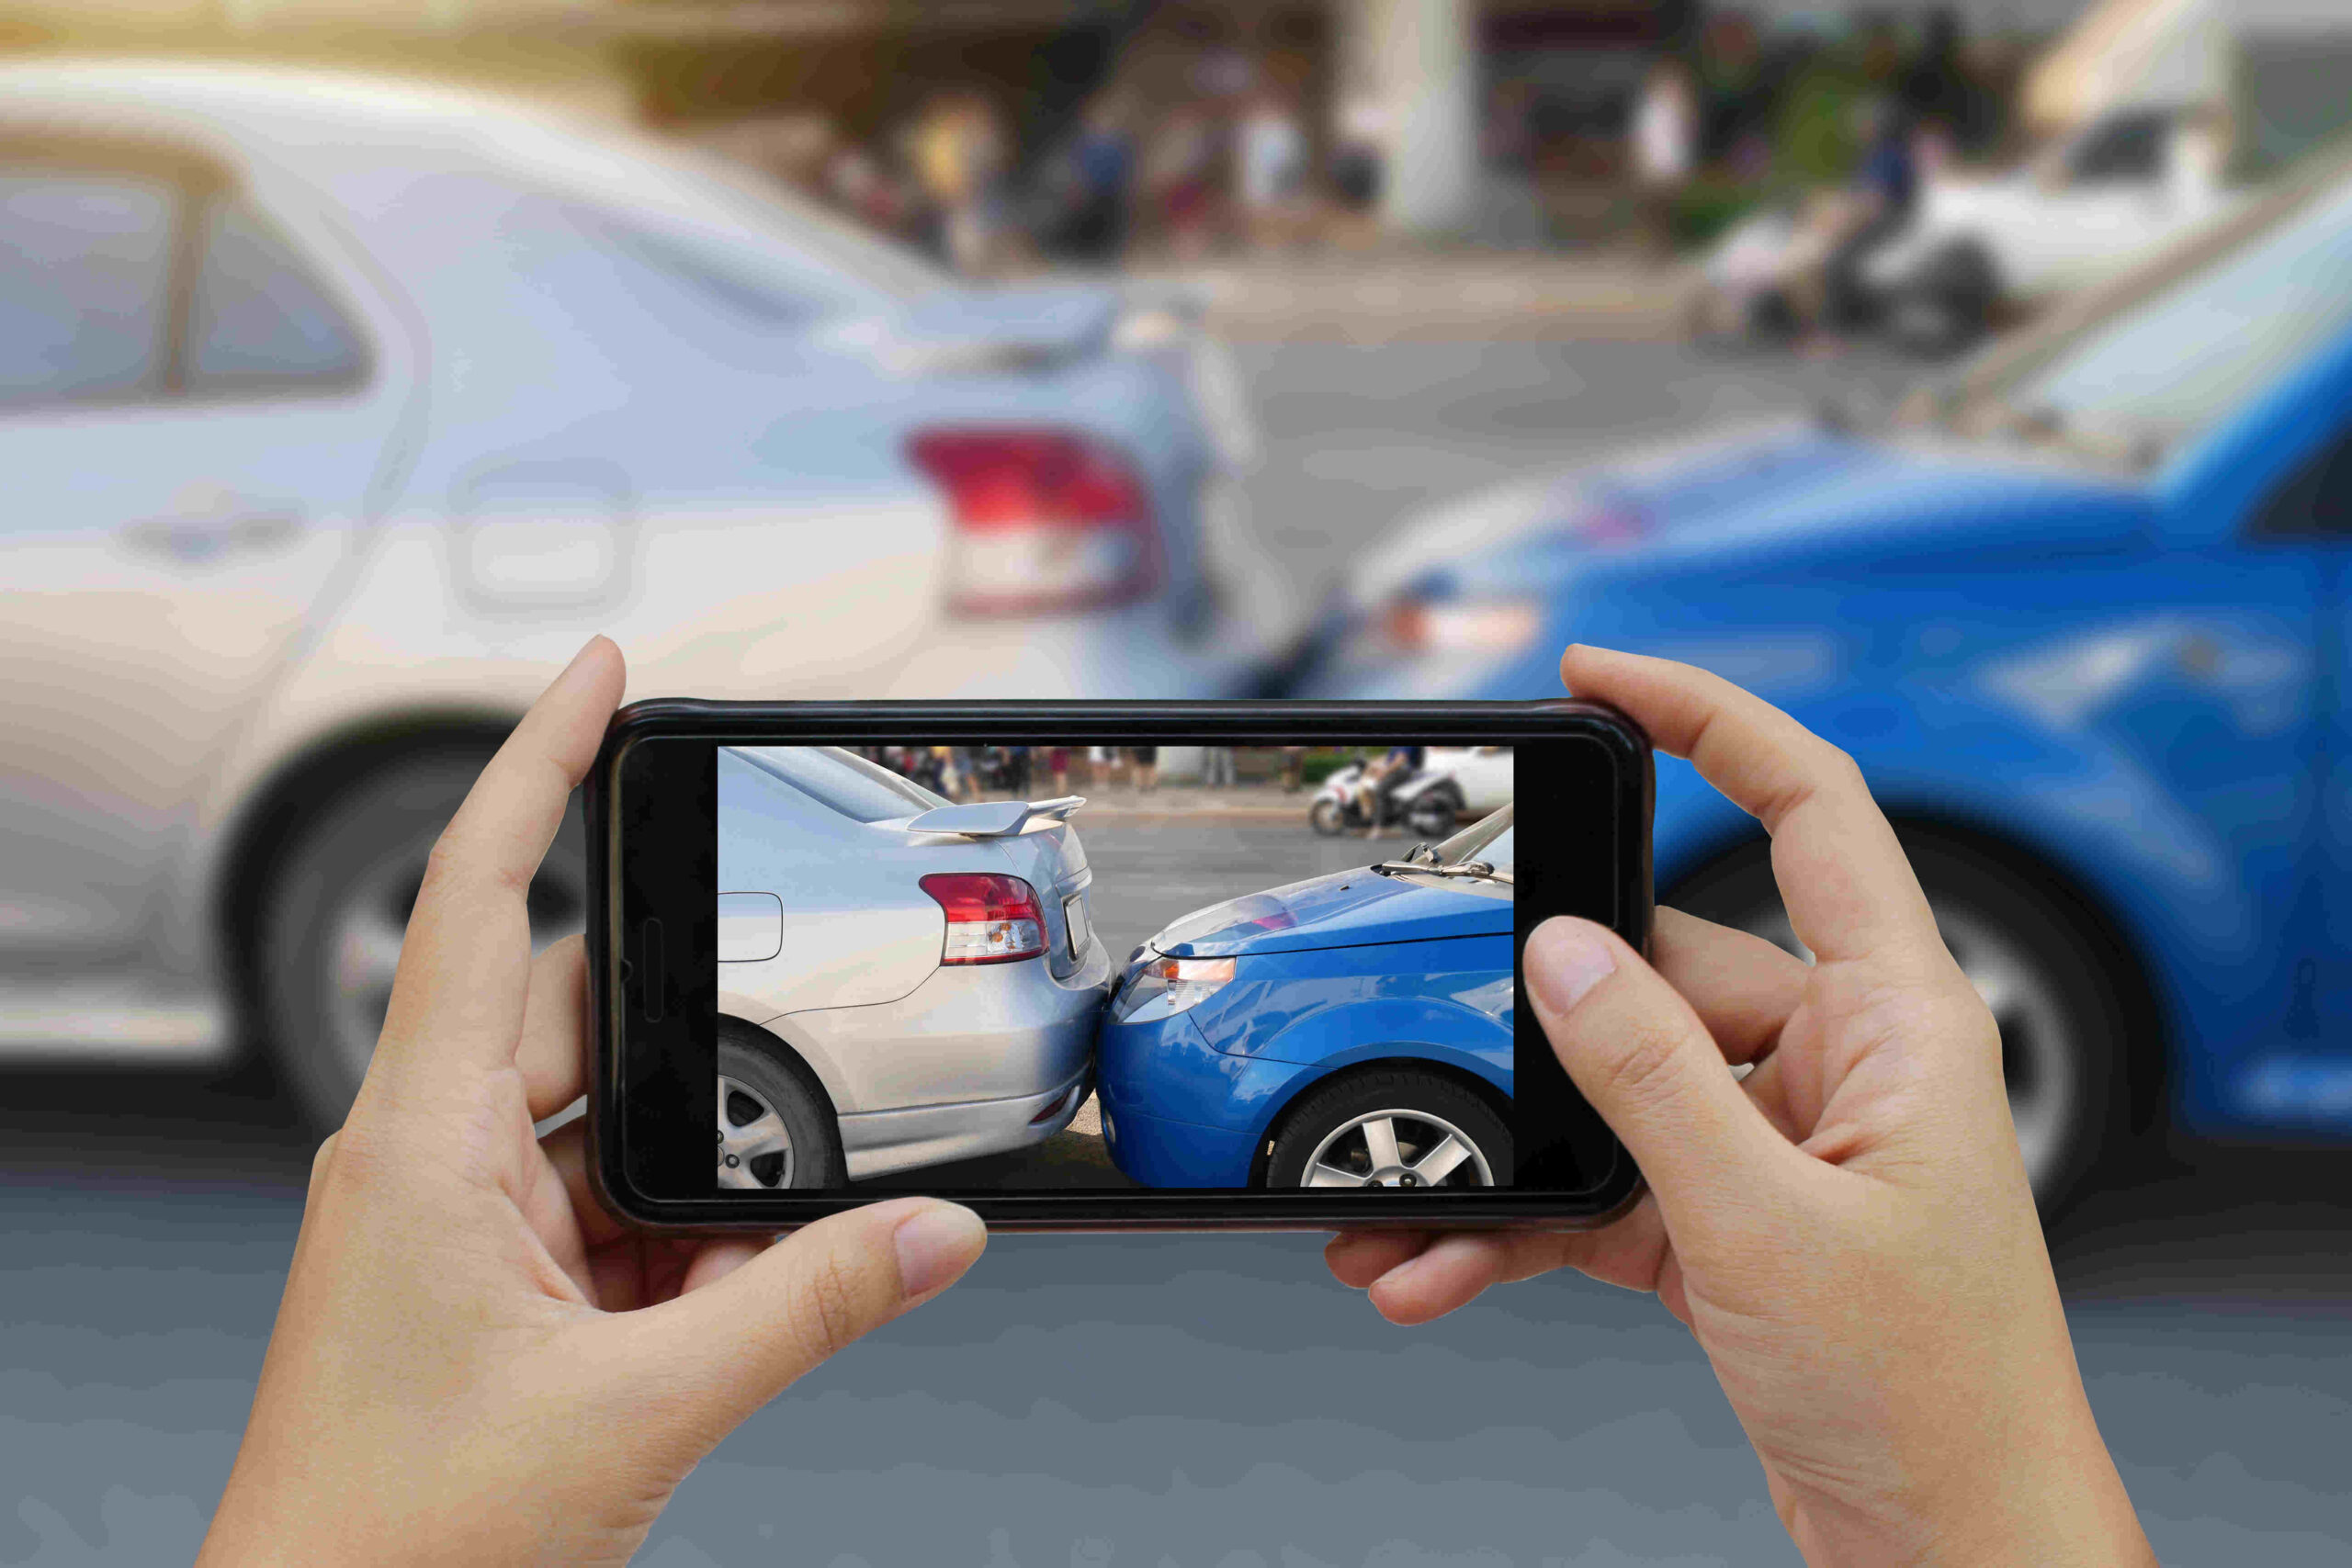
{"x":1224,"y":723}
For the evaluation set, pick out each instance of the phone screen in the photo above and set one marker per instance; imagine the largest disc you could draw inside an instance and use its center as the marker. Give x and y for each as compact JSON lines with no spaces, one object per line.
{"x":1122,"y":969}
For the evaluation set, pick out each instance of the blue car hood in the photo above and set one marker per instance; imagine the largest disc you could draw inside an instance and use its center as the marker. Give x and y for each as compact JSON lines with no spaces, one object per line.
{"x":1783,"y":485}
{"x":1815,"y":481}
{"x":1350,"y":908}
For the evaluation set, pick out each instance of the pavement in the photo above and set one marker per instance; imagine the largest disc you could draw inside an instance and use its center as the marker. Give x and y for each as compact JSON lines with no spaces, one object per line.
{"x":1403,"y":296}
{"x":1269,"y":803}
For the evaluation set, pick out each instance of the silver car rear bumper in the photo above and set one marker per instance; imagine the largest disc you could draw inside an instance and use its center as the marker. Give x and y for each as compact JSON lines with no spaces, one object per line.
{"x":881,"y":1142}
{"x":959,"y":1065}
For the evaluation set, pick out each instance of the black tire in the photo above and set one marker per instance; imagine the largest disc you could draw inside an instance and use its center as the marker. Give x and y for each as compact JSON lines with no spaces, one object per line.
{"x":1434,"y":814}
{"x":1326,"y":818}
{"x":1426,"y":1108}
{"x":2070,"y":1001}
{"x":1948,"y":308}
{"x":754,"y":1078}
{"x":338,"y":899}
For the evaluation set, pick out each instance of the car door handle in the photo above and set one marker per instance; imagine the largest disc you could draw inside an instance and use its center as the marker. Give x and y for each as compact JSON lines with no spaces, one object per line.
{"x":200,"y":539}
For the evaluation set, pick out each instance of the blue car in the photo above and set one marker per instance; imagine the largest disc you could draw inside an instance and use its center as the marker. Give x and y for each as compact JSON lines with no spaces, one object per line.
{"x":2080,"y":614}
{"x":1351,"y":1030}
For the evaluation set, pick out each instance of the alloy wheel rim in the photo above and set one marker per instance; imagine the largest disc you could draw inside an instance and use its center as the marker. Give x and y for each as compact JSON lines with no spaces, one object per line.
{"x":368,"y":923}
{"x":1402,"y":1148}
{"x":754,"y":1145}
{"x":2038,"y":1048}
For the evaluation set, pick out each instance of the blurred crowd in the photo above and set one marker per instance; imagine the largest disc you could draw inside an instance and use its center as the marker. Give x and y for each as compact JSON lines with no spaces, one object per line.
{"x":1230,"y":168}
{"x":1020,"y":772}
{"x":1238,"y":151}
{"x":1744,"y":113}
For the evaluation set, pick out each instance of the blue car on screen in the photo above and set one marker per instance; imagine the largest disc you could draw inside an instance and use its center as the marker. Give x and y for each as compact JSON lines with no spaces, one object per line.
{"x":2084,"y":616}
{"x":1350,"y":1031}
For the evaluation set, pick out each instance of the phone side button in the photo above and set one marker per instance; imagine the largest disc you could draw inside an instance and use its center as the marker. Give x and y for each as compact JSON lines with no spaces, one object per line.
{"x":650,"y":956}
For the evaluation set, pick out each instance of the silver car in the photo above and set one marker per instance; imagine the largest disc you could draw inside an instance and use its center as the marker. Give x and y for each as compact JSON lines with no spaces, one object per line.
{"x":335,"y":414}
{"x":902,"y":980}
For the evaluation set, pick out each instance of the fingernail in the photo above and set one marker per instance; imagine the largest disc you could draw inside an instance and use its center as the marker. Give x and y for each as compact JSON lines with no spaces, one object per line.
{"x":578,"y":658}
{"x":1563,"y":960}
{"x":936,"y":1244}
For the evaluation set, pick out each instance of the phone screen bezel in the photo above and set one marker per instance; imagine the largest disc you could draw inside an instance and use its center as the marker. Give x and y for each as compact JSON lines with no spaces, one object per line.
{"x":652,"y":854}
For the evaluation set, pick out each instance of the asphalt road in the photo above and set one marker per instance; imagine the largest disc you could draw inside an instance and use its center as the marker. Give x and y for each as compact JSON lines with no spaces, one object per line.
{"x":1187,"y":1401}
{"x":1357,"y":439}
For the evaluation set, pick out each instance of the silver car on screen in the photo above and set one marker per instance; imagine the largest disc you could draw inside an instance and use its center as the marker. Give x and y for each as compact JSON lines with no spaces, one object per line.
{"x":902,"y":980}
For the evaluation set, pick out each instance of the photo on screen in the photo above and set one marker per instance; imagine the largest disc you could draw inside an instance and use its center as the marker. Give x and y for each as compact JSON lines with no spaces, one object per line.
{"x":1032,"y":968}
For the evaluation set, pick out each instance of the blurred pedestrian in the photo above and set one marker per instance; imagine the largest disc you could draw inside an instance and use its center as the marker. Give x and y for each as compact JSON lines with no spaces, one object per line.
{"x":1873,"y":210}
{"x":1357,"y":152}
{"x":1216,"y":767}
{"x":947,"y":763}
{"x":1736,"y":92}
{"x":1057,"y":763}
{"x":959,"y":155}
{"x":1101,"y":180}
{"x":1934,"y":93}
{"x":1271,"y":151}
{"x":1183,"y":171}
{"x":1665,"y":137}
{"x":1294,"y":768}
{"x":1147,"y":773}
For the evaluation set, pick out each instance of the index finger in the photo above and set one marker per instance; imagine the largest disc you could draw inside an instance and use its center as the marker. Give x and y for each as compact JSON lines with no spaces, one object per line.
{"x":1843,"y":876}
{"x":466,"y":959}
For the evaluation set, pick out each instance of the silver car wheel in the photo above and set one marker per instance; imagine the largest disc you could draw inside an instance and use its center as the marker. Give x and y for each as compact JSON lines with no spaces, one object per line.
{"x":1397,"y":1148}
{"x":754,"y":1145}
{"x":369,"y":921}
{"x":2039,"y":1054}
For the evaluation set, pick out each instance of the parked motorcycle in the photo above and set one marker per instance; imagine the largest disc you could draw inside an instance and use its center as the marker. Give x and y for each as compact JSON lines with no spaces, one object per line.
{"x":1427,"y":804}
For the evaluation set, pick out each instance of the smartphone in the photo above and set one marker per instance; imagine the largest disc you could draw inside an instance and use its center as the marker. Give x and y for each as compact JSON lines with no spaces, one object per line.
{"x":1101,"y":966}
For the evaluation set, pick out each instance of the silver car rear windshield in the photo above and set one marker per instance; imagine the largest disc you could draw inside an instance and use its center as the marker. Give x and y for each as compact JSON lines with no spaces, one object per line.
{"x":843,"y":781}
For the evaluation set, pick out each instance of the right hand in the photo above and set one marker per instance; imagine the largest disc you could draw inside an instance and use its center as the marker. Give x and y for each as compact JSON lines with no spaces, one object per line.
{"x":1848,"y":1231}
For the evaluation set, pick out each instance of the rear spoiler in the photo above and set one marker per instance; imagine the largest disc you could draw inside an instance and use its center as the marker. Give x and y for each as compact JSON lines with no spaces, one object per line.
{"x":993,"y":818}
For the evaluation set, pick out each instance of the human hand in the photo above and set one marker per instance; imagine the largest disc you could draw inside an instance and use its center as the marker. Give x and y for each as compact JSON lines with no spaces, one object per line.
{"x":472,"y":1362}
{"x":1848,"y":1231}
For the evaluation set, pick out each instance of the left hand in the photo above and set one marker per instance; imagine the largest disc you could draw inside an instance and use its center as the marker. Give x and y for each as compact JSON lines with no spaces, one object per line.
{"x":473,"y":1363}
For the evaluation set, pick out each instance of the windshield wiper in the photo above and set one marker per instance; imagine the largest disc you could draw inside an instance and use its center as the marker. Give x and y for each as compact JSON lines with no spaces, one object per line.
{"x":1473,"y":868}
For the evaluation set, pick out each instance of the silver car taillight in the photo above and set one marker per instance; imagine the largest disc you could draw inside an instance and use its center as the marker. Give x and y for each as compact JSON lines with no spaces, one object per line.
{"x":1046,"y":521}
{"x":990,"y":919}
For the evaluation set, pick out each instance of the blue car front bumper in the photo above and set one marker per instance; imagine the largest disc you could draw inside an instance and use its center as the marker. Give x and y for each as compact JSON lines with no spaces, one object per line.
{"x":1177,"y":1112}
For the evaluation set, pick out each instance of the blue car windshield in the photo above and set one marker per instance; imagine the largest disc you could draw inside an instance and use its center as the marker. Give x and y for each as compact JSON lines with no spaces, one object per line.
{"x":1491,"y":839}
{"x":2173,"y":353}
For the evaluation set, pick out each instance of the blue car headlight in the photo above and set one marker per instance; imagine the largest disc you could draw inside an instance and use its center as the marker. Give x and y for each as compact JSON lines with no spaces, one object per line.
{"x":1162,"y":987}
{"x":1412,"y":627}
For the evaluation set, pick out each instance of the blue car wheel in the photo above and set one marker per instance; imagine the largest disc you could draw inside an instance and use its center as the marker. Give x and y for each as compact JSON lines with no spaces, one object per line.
{"x":2063,"y":992}
{"x":1395,"y":1127}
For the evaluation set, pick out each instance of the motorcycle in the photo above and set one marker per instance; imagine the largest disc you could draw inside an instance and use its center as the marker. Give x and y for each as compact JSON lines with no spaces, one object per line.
{"x":1427,"y":804}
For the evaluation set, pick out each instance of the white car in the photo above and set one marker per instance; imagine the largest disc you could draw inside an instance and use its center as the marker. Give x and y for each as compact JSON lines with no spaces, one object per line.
{"x":1482,"y":773}
{"x":902,"y":981}
{"x":335,"y":415}
{"x":2123,"y":186}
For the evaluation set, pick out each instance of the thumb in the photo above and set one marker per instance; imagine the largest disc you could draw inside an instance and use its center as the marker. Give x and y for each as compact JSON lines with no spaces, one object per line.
{"x":1640,"y":1055}
{"x":727,"y":1346}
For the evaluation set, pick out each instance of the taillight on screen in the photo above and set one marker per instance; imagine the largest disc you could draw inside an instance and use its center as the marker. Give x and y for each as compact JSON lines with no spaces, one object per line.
{"x":990,"y":919}
{"x":1046,"y":521}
